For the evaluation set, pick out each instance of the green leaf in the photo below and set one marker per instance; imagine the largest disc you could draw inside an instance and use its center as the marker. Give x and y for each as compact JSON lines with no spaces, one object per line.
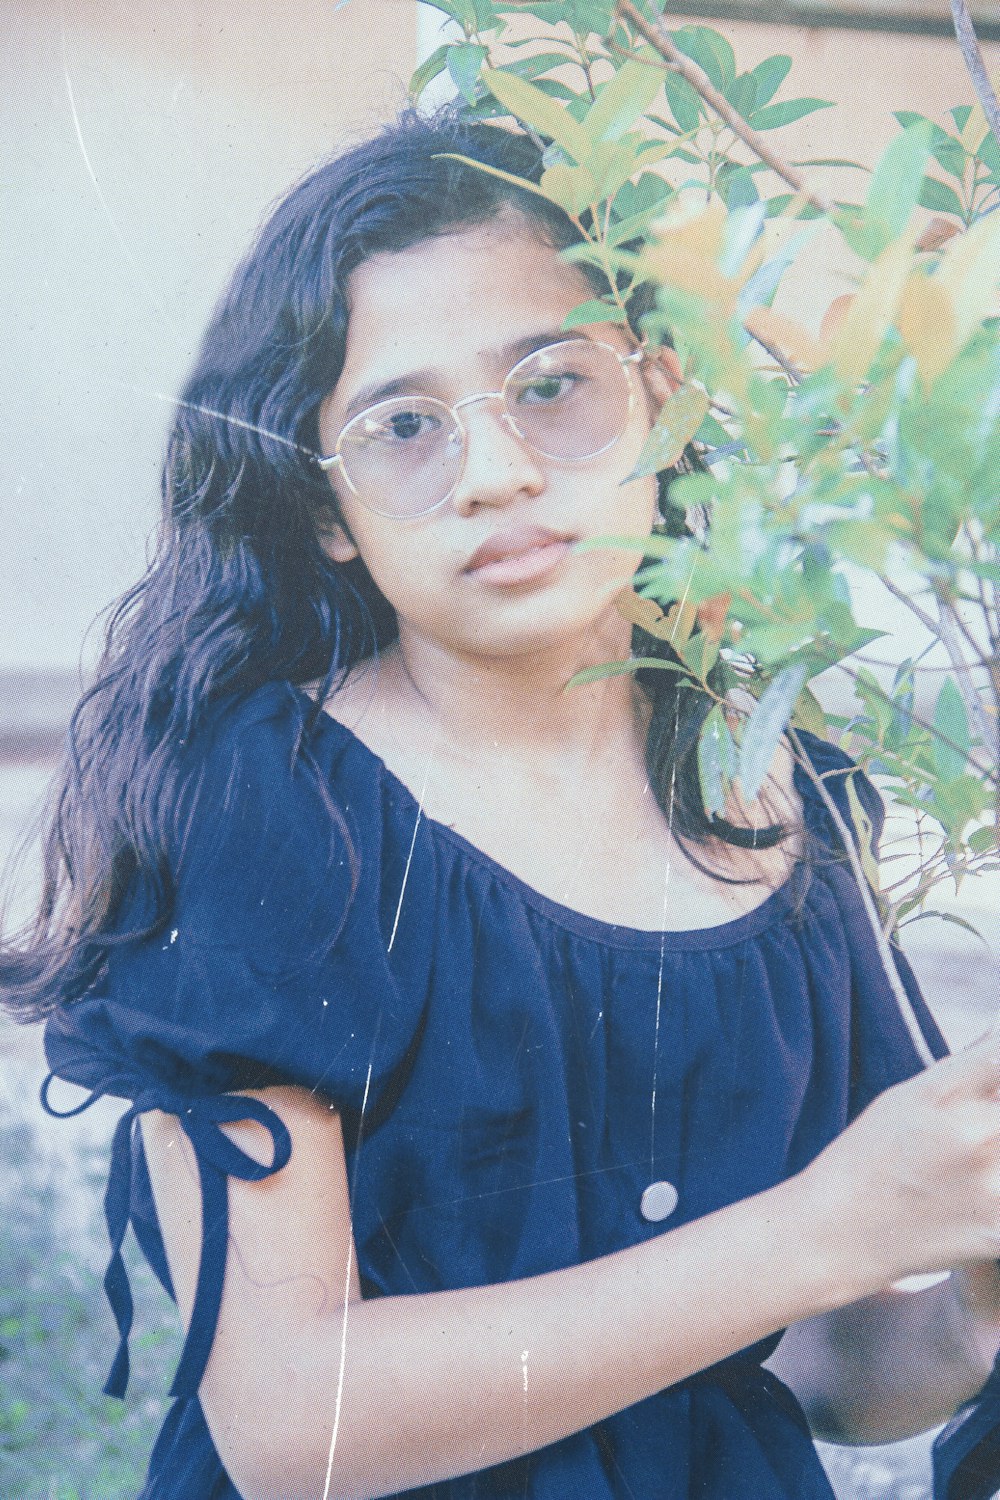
{"x":808,"y":714}
{"x":710,"y":50}
{"x":461,"y":11}
{"x":622,"y":101}
{"x":895,"y":185}
{"x":767,"y":78}
{"x":946,"y":150}
{"x":766,"y":725}
{"x":533,"y":107}
{"x":429,"y":70}
{"x":684,"y":100}
{"x":624,"y":230}
{"x":594,"y":311}
{"x":716,"y":761}
{"x":511,"y":177}
{"x":831,"y":161}
{"x":700,"y":654}
{"x":940,"y":198}
{"x":620,"y":668}
{"x":464,"y":62}
{"x":946,"y":916}
{"x":983,"y":840}
{"x":951,"y":722}
{"x":780,"y":201}
{"x":582,"y":16}
{"x":536,"y":64}
{"x":679,"y":419}
{"x":773,"y":116}
{"x":737,"y":187}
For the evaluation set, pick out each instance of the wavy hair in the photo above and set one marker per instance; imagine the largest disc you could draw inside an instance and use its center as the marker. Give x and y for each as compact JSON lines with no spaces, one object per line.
{"x":240,"y":590}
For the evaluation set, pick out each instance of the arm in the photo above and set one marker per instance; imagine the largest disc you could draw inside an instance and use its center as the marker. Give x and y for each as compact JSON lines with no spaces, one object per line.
{"x":461,"y":1380}
{"x":896,"y":1363}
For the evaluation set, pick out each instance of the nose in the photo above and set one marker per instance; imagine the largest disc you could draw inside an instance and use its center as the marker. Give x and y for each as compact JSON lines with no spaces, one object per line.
{"x":499,"y":465}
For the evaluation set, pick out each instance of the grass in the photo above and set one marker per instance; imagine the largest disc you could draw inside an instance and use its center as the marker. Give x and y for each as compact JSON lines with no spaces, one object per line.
{"x":60,"y":1438}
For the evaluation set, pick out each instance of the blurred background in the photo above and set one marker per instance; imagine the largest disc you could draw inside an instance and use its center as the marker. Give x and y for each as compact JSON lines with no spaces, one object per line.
{"x":143,"y":142}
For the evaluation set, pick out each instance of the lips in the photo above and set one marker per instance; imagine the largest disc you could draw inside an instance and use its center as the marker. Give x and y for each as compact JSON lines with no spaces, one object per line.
{"x":515,"y":543}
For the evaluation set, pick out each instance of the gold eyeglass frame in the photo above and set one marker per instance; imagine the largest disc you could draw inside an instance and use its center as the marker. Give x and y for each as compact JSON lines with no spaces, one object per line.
{"x":334,"y":459}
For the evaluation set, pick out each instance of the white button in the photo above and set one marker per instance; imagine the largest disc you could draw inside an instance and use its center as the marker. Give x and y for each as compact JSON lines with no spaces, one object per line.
{"x":658,"y":1201}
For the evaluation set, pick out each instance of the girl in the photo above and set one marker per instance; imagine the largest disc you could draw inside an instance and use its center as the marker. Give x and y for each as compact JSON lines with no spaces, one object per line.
{"x":495,"y":1106}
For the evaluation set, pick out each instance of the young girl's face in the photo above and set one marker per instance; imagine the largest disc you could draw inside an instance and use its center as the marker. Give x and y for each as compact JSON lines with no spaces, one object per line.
{"x":448,"y":312}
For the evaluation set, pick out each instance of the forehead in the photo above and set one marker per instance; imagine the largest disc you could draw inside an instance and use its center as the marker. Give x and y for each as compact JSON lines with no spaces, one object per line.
{"x":449,"y":303}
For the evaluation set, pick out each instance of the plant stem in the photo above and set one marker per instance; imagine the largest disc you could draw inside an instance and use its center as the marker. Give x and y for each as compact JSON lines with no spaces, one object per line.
{"x":659,"y":38}
{"x":963,"y":678}
{"x":975,"y":66}
{"x":906,"y":1010}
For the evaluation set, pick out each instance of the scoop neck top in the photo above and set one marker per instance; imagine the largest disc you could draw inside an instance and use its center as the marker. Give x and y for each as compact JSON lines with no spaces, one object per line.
{"x":513,"y":1077}
{"x":718,"y":935}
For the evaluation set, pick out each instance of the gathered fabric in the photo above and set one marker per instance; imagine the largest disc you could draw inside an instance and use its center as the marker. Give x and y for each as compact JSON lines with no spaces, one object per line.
{"x":522,"y":1087}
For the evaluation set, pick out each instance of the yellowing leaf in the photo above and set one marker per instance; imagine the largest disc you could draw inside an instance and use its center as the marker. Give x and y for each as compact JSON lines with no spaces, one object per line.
{"x":969,"y":269}
{"x":927,"y":324}
{"x":680,"y":623}
{"x":785,"y":337}
{"x":865,"y":834}
{"x":687,"y":250}
{"x":936,"y":232}
{"x":572,"y":188}
{"x":835,"y":315}
{"x":975,"y":129}
{"x":534,"y":107}
{"x":645,"y":613}
{"x":873,"y":311}
{"x":712,"y":615}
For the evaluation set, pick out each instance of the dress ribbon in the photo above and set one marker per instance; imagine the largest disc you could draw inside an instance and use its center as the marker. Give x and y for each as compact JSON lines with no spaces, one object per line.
{"x":218,"y":1159}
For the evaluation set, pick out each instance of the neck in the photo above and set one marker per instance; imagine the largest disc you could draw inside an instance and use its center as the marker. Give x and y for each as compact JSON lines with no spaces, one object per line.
{"x":519,"y":702}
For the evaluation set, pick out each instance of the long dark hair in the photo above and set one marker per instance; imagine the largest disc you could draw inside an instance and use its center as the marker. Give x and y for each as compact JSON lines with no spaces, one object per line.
{"x":240,"y":591}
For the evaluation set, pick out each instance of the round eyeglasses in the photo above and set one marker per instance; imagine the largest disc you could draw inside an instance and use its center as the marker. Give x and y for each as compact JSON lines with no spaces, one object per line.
{"x":569,"y":401}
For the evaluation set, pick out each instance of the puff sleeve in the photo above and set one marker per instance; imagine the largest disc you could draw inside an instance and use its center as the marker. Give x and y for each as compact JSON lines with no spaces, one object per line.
{"x":272,"y":968}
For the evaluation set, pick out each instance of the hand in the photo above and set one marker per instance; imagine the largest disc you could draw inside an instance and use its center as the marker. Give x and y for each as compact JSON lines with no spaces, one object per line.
{"x":915,"y":1180}
{"x":977,"y":1293}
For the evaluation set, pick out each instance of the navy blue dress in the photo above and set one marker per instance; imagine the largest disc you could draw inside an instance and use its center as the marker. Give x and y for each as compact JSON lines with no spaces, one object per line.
{"x":512,"y":1075}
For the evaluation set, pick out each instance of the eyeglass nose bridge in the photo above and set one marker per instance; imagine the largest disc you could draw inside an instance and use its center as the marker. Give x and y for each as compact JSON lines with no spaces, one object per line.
{"x":488,"y":396}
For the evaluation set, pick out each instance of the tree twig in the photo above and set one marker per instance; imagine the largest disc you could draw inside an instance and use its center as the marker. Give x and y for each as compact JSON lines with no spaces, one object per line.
{"x":660,"y":39}
{"x":906,"y":1010}
{"x":975,"y":66}
{"x":974,"y":705}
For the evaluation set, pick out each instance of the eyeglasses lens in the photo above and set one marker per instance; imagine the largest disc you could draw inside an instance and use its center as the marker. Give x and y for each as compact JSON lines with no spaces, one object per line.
{"x":570,"y":400}
{"x":567,"y":401}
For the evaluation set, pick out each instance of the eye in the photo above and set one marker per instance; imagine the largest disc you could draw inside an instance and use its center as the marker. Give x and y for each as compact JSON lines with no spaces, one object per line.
{"x":547,"y":389}
{"x":402,"y":426}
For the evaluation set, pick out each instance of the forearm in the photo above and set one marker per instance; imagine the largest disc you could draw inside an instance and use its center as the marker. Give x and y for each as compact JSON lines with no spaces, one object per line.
{"x":890,"y":1366}
{"x":408,"y":1391}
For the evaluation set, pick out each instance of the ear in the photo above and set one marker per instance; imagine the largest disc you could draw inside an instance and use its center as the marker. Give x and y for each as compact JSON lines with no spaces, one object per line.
{"x":663,"y":374}
{"x":337,"y":542}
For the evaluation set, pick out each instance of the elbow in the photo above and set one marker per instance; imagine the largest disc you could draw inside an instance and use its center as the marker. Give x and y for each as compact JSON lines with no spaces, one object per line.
{"x":291,"y":1426}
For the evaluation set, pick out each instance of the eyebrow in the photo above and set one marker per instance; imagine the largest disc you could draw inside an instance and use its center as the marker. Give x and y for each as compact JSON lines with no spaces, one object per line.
{"x":415,"y":381}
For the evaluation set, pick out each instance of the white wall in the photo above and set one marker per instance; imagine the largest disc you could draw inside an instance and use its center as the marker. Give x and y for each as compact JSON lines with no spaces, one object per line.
{"x":142,"y":142}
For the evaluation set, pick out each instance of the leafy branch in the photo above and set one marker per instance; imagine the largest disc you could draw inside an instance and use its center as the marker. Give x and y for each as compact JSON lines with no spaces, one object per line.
{"x":870,"y":447}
